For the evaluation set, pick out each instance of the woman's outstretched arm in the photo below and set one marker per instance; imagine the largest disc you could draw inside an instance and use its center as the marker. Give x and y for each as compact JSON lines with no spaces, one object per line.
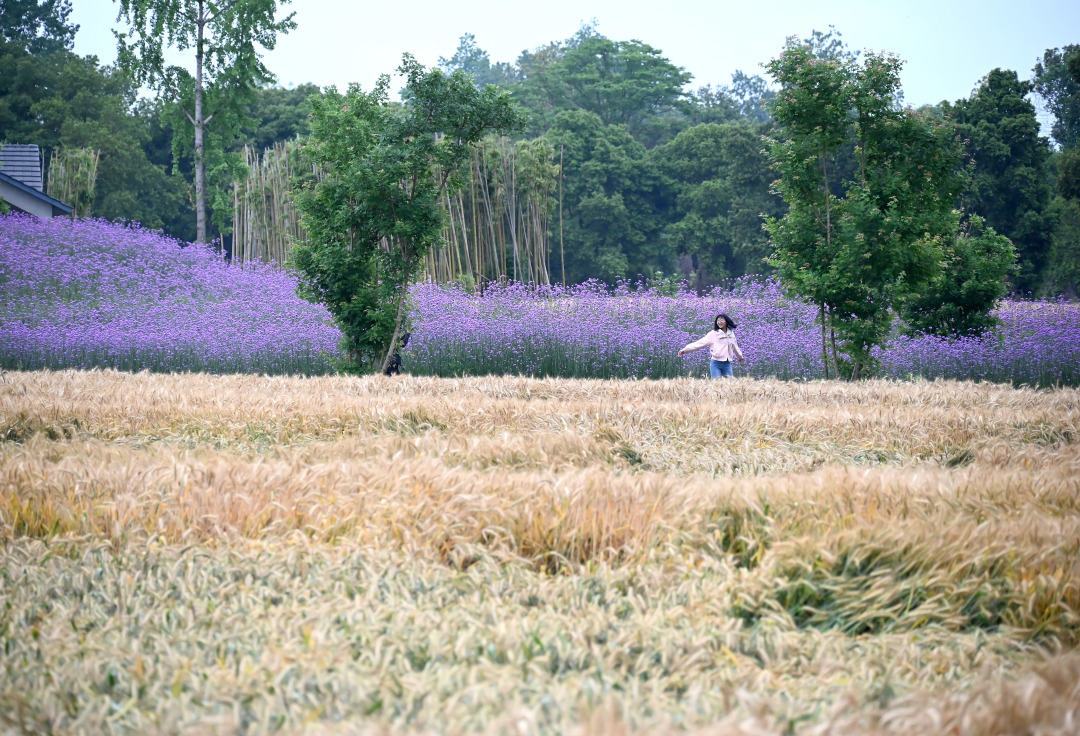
{"x":696,"y":345}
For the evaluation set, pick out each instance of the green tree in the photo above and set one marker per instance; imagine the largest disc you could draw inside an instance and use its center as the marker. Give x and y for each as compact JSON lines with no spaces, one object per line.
{"x":721,"y":179}
{"x":621,"y":82}
{"x":277,"y":114}
{"x":858,"y":255}
{"x":747,"y":99}
{"x":830,"y":45}
{"x":536,"y":85}
{"x":1068,"y":180}
{"x":752,"y":96}
{"x":1060,"y":88}
{"x":612,"y":200}
{"x":1067,"y":127}
{"x":712,"y":105}
{"x":475,"y":62}
{"x":376,"y":212}
{"x":1057,"y":81}
{"x":40,"y":25}
{"x":1009,"y":188}
{"x":1063,"y":274}
{"x":224,"y":39}
{"x":60,"y":100}
{"x":973,"y":278}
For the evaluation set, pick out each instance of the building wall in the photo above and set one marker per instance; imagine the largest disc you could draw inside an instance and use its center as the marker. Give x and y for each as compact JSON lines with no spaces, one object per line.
{"x":24,"y":202}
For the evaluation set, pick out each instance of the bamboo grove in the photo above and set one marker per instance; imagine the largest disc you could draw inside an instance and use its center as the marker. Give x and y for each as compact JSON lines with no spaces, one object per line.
{"x":504,"y":223}
{"x":72,"y":177}
{"x":265,"y":222}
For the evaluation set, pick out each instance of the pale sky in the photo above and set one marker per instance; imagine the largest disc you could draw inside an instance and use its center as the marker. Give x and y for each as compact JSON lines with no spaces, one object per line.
{"x":948,"y":45}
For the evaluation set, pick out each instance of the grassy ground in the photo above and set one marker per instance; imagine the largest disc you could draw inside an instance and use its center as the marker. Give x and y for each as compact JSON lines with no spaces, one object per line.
{"x":237,"y":554}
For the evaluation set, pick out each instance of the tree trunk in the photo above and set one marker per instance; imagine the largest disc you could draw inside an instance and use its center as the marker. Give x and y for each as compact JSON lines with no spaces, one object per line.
{"x":397,"y":327}
{"x":832,"y":334}
{"x":562,"y":256}
{"x":828,"y":215}
{"x":824,"y":351}
{"x":200,"y":164}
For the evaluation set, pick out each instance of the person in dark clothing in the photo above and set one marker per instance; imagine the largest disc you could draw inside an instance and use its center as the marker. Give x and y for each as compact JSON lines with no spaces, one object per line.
{"x":395,"y":363}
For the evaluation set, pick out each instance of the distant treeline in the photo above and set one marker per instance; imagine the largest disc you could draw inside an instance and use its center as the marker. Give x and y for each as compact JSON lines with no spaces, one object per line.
{"x":620,"y":172}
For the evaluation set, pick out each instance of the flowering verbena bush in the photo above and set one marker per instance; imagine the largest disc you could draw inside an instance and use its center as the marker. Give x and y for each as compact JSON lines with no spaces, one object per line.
{"x":91,"y":293}
{"x":589,"y":331}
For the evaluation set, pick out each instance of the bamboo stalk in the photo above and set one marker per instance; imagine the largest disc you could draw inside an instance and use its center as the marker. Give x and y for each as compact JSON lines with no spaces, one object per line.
{"x":496,"y":226}
{"x":72,"y":178}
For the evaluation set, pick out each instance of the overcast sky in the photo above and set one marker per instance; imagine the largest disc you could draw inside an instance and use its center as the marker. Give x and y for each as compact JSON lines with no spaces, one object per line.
{"x":948,"y":45}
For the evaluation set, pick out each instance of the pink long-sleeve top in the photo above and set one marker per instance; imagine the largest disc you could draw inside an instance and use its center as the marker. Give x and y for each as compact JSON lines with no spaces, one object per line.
{"x":722,"y":345}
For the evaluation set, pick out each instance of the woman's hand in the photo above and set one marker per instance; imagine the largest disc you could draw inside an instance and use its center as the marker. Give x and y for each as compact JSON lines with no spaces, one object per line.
{"x":680,"y":353}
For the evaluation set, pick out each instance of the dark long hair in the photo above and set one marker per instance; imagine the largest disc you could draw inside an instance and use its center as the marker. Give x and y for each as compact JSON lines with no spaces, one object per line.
{"x":728,"y":322}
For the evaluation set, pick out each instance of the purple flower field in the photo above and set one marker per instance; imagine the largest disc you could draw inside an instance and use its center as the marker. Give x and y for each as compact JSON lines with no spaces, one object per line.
{"x":91,"y":293}
{"x":95,"y":294}
{"x":587,"y":331}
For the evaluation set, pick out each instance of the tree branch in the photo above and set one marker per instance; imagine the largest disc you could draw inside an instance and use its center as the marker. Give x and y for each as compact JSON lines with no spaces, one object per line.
{"x":216,"y":12}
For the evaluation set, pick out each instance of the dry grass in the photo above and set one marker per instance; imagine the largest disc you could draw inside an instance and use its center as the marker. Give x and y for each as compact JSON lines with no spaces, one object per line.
{"x":516,"y":555}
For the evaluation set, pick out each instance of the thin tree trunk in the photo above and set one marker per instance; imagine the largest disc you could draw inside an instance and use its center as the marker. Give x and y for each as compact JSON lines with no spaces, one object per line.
{"x":510,"y":186}
{"x":562,"y":256}
{"x":452,"y":243}
{"x":824,"y":351}
{"x":828,"y":198}
{"x":490,"y":216}
{"x":200,"y":164}
{"x":397,"y":332}
{"x":397,"y":323}
{"x":832,"y":335}
{"x":828,"y":249}
{"x":464,"y":235}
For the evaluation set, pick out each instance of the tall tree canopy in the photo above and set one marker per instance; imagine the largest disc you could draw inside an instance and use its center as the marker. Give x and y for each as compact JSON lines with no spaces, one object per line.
{"x":1060,"y":88}
{"x":1009,"y":188}
{"x":42,"y":26}
{"x":858,"y":255}
{"x":1057,"y":80}
{"x":721,"y":178}
{"x":475,"y":62}
{"x":278,"y":114}
{"x":621,"y":82}
{"x":612,"y":198}
{"x":224,"y":40}
{"x":58,"y":100}
{"x":376,"y":212}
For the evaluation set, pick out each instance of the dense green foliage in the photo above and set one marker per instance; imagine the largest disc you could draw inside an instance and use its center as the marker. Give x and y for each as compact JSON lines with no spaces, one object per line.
{"x":225,"y":40}
{"x":858,"y":255}
{"x":1009,"y":187}
{"x":1057,"y":80}
{"x":657,"y":175}
{"x":972,"y":279}
{"x":720,"y":180}
{"x":611,"y":196}
{"x":377,"y":210}
{"x":57,"y":99}
{"x":40,"y":26}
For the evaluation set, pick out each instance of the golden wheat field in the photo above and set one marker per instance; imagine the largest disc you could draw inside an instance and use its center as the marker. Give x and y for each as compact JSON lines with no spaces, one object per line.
{"x":239,"y":554}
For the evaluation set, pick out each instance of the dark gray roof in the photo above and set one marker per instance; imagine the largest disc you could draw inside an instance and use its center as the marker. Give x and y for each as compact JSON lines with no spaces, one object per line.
{"x":64,"y":209}
{"x":23,"y":162}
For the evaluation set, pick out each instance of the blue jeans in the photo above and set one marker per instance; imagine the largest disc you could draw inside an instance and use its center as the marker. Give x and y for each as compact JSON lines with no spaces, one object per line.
{"x":720,"y":369}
